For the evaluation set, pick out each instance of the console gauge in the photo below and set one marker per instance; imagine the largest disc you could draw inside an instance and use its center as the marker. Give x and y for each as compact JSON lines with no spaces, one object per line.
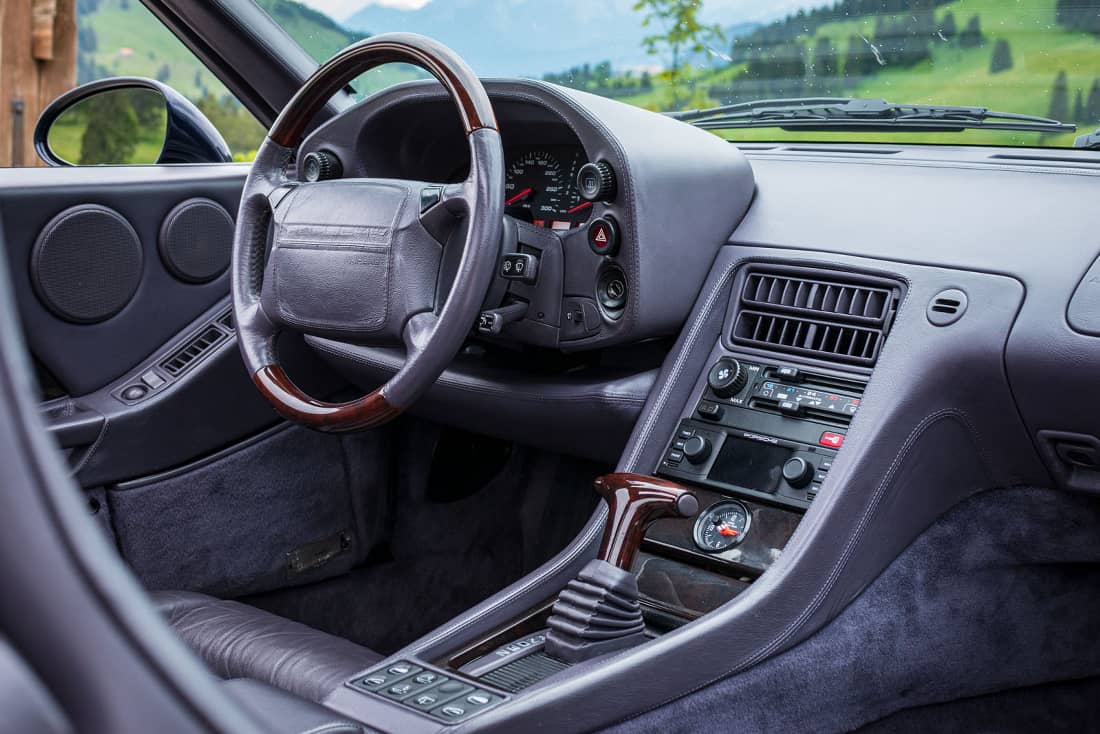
{"x":722,"y":526}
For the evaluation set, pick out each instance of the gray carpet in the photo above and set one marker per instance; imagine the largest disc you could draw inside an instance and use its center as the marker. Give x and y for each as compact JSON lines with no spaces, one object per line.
{"x":1001,"y":593}
{"x":444,"y":555}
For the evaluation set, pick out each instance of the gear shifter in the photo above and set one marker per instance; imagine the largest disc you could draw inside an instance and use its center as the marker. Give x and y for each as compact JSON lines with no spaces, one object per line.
{"x":598,"y":612}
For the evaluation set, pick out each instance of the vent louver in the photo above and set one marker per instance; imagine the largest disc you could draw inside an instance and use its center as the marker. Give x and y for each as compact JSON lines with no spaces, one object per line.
{"x":191,"y":353}
{"x":833,"y":319}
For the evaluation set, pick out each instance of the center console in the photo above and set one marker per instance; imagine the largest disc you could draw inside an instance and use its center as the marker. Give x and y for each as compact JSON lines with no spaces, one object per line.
{"x":808,"y":476}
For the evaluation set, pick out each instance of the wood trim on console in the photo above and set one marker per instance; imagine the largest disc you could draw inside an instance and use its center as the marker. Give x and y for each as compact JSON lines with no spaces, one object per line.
{"x":367,"y":412}
{"x":633,"y":502}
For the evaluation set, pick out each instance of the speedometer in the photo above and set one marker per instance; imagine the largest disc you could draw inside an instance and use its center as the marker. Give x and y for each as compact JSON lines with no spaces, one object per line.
{"x":540,"y":187}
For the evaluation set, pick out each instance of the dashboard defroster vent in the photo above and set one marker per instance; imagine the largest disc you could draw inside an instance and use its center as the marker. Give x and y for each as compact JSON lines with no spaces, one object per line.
{"x":193,"y":351}
{"x":843,"y":318}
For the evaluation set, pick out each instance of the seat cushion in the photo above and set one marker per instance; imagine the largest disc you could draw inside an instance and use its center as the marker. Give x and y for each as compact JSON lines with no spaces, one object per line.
{"x":239,"y":641}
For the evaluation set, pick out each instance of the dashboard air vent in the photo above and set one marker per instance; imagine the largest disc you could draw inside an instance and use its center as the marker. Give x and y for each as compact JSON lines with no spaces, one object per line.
{"x":190,"y":353}
{"x":842,"y":318}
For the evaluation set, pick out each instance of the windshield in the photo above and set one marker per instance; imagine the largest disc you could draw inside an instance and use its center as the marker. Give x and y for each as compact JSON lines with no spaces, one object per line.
{"x":1035,"y":57}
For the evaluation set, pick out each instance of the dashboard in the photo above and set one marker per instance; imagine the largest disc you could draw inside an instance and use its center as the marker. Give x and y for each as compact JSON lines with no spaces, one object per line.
{"x":602,"y":264}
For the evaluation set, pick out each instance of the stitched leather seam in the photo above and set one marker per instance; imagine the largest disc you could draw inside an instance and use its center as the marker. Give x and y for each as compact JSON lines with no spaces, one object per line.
{"x":673,"y":377}
{"x":853,"y":540}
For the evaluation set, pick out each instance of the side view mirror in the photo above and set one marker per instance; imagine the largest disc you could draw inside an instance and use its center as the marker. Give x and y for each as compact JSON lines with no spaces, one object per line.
{"x":126,"y":121}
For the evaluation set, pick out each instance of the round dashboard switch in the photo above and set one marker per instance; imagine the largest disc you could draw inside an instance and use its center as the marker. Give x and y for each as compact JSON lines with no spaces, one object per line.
{"x":603,"y":236}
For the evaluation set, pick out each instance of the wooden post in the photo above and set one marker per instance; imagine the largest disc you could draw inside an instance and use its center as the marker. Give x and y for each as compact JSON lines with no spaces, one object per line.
{"x":37,"y":64}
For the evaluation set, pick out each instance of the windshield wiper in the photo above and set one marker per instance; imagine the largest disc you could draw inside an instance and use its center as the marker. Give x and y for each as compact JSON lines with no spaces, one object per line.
{"x":842,"y":113}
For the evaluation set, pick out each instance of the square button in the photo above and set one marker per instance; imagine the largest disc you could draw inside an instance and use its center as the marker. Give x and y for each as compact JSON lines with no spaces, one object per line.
{"x":479,"y":700}
{"x":454,"y":711}
{"x":152,"y":380}
{"x":403,"y":668}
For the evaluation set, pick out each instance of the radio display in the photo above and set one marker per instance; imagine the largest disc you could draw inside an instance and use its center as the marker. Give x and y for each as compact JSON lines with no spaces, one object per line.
{"x":749,"y":464}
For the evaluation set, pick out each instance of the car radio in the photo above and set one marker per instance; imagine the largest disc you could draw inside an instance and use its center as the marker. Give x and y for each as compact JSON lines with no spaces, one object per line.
{"x":763,"y":431}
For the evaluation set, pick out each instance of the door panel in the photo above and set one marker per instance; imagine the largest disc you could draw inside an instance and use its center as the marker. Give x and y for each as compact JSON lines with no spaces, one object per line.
{"x":85,"y":357}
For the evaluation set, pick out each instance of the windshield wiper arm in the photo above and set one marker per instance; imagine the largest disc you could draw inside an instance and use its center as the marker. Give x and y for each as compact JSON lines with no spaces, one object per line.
{"x":843,"y":113}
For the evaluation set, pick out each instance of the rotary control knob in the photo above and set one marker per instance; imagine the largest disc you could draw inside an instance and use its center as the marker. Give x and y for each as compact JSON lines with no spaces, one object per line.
{"x":727,"y":377}
{"x":322,"y":166}
{"x":696,"y":449}
{"x":596,"y":181}
{"x":798,"y":472}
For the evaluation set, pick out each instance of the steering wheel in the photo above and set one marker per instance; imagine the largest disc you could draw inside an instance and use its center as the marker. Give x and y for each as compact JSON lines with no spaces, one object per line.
{"x":356,"y":259}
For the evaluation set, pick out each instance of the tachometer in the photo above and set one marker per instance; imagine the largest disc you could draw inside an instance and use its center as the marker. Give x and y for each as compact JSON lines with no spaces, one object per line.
{"x":540,"y":187}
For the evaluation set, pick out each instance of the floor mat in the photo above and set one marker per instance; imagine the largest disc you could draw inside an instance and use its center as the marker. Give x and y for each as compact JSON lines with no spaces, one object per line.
{"x":1070,"y":706}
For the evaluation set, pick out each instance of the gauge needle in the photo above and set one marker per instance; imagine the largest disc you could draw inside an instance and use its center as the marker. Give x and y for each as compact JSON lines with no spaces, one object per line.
{"x":518,"y":197}
{"x":728,"y":531}
{"x":578,"y":207}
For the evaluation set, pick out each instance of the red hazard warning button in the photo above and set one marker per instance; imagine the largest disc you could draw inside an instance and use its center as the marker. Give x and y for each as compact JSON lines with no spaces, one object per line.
{"x":603,"y":236}
{"x":832,"y":440}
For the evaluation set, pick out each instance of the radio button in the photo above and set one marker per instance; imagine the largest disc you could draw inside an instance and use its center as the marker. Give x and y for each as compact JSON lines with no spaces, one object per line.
{"x":788,"y":373}
{"x":710,"y":411}
{"x":798,"y":472}
{"x":697,"y":449}
{"x":789,"y":407}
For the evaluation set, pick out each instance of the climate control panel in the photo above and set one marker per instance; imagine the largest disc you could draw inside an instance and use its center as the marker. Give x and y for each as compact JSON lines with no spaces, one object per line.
{"x":768,"y":432}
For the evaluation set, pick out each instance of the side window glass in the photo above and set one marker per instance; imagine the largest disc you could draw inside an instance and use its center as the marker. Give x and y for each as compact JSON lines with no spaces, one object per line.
{"x":52,"y":47}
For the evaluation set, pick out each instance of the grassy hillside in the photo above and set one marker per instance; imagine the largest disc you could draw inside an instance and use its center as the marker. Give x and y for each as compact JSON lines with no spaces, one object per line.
{"x":122,"y":38}
{"x":1040,"y":49}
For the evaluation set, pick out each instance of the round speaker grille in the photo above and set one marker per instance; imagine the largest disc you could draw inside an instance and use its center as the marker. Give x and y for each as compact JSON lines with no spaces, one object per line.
{"x":86,"y":264}
{"x":196,"y":240}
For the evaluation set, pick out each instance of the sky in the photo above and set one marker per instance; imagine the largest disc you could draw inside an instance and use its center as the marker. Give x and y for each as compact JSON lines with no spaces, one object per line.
{"x":730,"y":11}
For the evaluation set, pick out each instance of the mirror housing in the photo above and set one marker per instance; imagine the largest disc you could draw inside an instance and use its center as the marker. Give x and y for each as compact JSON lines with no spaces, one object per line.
{"x":189,"y":137}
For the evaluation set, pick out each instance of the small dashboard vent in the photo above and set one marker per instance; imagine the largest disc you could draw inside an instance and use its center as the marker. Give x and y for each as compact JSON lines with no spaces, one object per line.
{"x":838,"y":318}
{"x":191,"y":353}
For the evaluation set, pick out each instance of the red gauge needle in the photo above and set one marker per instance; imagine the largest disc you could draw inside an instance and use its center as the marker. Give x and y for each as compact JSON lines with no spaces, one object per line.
{"x":578,"y":207}
{"x":517,"y":197}
{"x":728,"y":531}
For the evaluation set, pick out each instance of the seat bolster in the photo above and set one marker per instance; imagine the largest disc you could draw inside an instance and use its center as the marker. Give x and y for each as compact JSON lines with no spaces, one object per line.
{"x":239,"y":641}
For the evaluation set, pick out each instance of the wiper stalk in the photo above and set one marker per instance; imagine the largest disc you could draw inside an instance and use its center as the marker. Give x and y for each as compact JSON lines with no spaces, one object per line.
{"x":843,"y":113}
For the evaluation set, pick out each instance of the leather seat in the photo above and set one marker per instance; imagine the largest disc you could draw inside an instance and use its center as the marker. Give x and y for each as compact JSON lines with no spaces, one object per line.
{"x":240,"y":641}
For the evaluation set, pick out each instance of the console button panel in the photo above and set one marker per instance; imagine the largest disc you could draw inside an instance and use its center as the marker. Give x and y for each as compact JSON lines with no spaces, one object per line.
{"x":433,"y":693}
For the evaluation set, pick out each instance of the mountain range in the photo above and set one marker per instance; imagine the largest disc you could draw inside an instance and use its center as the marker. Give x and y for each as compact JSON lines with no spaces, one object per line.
{"x":529,"y":37}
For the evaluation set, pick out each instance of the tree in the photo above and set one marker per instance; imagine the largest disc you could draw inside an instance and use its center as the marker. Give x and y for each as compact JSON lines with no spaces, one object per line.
{"x":947,"y":27}
{"x":164,"y":73}
{"x":1079,"y":107}
{"x":1002,"y":57}
{"x":86,"y":41}
{"x":1092,"y":106}
{"x":112,"y":130}
{"x":681,"y":33}
{"x":971,"y":37}
{"x":825,"y":66}
{"x":1059,"y":98}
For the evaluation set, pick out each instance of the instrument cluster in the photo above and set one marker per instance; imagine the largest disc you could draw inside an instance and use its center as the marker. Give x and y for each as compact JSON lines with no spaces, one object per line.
{"x":541,"y":186}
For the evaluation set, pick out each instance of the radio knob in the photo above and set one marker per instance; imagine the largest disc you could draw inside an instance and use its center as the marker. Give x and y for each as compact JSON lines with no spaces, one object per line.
{"x":798,"y":472}
{"x":696,"y":449}
{"x":727,"y":377}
